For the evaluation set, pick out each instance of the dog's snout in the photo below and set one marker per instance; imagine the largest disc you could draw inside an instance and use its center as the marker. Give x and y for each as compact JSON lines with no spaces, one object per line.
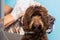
{"x":36,"y":23}
{"x":37,"y":26}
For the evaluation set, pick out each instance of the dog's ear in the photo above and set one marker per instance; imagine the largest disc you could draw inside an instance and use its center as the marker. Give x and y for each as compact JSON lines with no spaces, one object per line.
{"x":52,"y":20}
{"x":29,"y":11}
{"x":27,"y":18}
{"x":45,"y":16}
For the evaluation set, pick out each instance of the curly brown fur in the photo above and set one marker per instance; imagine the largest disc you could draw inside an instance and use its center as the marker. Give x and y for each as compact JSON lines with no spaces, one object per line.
{"x":36,"y":19}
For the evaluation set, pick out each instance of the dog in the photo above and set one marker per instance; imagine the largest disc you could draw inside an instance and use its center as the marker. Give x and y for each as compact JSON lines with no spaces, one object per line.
{"x":35,"y":23}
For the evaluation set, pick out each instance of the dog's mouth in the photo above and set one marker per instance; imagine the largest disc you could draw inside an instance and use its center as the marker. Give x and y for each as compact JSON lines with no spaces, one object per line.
{"x":36,"y":28}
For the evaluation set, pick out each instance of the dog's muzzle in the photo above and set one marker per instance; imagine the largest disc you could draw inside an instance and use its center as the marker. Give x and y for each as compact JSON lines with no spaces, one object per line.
{"x":36,"y":24}
{"x":36,"y":27}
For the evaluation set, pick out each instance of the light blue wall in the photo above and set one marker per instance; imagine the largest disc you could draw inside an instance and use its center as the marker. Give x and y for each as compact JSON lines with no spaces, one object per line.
{"x":10,"y":2}
{"x":53,"y":7}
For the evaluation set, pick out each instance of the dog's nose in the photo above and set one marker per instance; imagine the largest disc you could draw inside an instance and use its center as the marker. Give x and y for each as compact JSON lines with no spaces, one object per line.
{"x":37,"y":26}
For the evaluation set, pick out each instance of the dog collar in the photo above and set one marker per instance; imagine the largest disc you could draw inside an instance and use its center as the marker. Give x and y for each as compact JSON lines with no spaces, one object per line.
{"x":29,"y":32}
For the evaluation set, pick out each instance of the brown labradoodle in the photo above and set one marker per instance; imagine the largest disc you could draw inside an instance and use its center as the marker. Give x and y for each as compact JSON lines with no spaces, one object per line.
{"x":35,"y":23}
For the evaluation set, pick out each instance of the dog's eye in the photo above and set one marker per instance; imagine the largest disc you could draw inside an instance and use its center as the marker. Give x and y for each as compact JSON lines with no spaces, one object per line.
{"x":36,"y":13}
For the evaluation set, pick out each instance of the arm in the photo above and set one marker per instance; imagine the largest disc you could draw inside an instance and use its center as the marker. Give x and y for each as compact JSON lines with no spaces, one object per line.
{"x":9,"y":19}
{"x":18,"y":11}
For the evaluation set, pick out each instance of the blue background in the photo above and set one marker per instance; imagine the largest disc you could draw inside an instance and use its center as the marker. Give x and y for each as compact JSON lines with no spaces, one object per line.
{"x":53,"y":7}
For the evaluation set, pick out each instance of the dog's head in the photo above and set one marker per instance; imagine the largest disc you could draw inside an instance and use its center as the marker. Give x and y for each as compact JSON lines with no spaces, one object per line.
{"x":36,"y":19}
